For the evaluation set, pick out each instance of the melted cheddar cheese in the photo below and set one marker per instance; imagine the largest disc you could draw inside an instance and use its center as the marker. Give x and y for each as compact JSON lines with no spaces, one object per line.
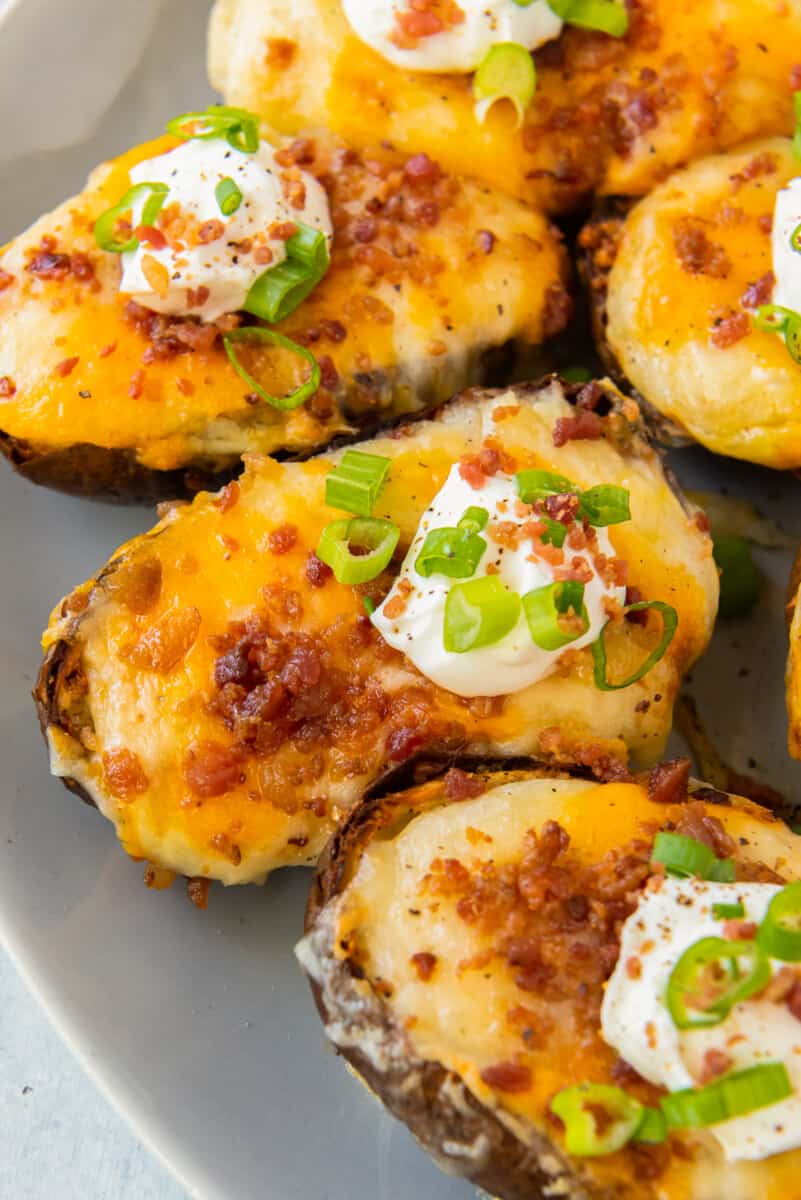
{"x":611,"y":115}
{"x":681,"y":294}
{"x":466,"y":1013}
{"x":149,"y":666}
{"x":402,"y":319}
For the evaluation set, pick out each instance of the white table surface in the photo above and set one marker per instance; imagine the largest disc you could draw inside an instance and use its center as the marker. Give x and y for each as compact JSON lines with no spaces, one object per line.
{"x":59,"y":1138}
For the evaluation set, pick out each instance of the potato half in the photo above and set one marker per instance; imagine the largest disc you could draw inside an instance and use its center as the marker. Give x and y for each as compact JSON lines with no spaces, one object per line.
{"x":609,"y":115}
{"x":428,"y":279}
{"x":224,"y":701}
{"x":675,"y":284}
{"x":466,"y":992}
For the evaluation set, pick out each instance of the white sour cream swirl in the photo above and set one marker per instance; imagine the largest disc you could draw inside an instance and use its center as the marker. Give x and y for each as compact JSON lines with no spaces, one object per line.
{"x":192,"y":172}
{"x":786,"y":260}
{"x":515,"y":662}
{"x":459,"y":48}
{"x":671,"y":916}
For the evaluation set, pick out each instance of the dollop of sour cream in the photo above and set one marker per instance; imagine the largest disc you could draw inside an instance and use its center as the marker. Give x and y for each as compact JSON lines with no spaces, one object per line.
{"x":515,"y":662}
{"x":786,"y":260}
{"x":191,"y":276}
{"x":459,"y":46}
{"x":671,"y":916}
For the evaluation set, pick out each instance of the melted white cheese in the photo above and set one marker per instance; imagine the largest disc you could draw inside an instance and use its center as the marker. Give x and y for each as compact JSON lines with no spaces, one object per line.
{"x":192,"y":172}
{"x":515,"y":662}
{"x":786,"y":260}
{"x":460,"y":48}
{"x":671,"y":916}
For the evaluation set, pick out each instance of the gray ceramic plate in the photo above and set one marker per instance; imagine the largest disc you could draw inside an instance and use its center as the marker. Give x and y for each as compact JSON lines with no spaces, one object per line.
{"x":198,"y":1025}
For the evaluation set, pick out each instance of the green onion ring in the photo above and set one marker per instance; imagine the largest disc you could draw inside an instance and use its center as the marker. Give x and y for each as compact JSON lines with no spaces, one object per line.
{"x":255,"y":333}
{"x":779,"y":935}
{"x":670,"y":622}
{"x":106,"y":223}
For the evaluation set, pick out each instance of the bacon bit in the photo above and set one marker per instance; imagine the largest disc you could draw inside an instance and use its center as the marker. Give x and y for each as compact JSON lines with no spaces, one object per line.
{"x":461,"y":786}
{"x":66,"y":366}
{"x":585,"y":426}
{"x":107,"y":350}
{"x":210,"y":231}
{"x":124,"y":774}
{"x":197,"y":890}
{"x":562,"y":507}
{"x":158,"y":878}
{"x":701,"y":522}
{"x":334,"y":331}
{"x":759,"y":292}
{"x":185,"y":386}
{"x":697,"y":823}
{"x":222,"y":843}
{"x":765,"y":222}
{"x":697,"y":254}
{"x":397,"y":604}
{"x":730,"y":327}
{"x":503,"y":412}
{"x":47,"y":265}
{"x":151,"y":236}
{"x":300,"y":152}
{"x":667,"y":782}
{"x":424,"y":964}
{"x":136,"y":385}
{"x":633,"y":967}
{"x":263,"y":255}
{"x":738,"y":930}
{"x":716,"y":1062}
{"x":780,"y":985}
{"x":8,"y":387}
{"x":486,"y":240}
{"x":167,"y":642}
{"x":493,"y":568}
{"x":507,"y":534}
{"x":507,"y":1077}
{"x":212,"y":769}
{"x":282,"y":539}
{"x":197,"y":297}
{"x":477,"y":836}
{"x":156,"y":275}
{"x":579,"y":570}
{"x":228,"y":497}
{"x":137,"y":584}
{"x":281,"y":231}
{"x":317,"y":572}
{"x":422,"y":169}
{"x":230,"y":543}
{"x":6,"y":279}
{"x":329,"y":376}
{"x":762,"y":164}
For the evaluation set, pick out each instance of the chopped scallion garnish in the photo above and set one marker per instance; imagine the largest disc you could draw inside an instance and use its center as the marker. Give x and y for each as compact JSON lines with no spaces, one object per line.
{"x":543,"y":608}
{"x":686,"y":857}
{"x":106,"y":224}
{"x":779,"y":935}
{"x":670,"y":622}
{"x":728,"y":912}
{"x":711,"y":977}
{"x":598,"y":1118}
{"x":239,"y":127}
{"x":228,"y":196}
{"x":478,"y":613}
{"x":454,"y":551}
{"x":279,"y":290}
{"x":356,"y":482}
{"x":740,"y":580}
{"x":734,"y":1095}
{"x":255,"y":334}
{"x":605,"y":16}
{"x":358,"y":549}
{"x":507,"y":72}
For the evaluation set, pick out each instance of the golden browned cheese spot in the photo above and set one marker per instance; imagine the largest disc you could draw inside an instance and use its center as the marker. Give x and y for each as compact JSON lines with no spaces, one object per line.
{"x":124,"y":774}
{"x":165,"y":643}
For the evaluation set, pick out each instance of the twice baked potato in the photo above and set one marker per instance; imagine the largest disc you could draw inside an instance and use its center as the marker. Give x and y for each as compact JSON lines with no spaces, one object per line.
{"x":613,"y":115}
{"x":430,"y":278}
{"x":461,"y":937}
{"x":676,"y":283}
{"x":224,"y":700}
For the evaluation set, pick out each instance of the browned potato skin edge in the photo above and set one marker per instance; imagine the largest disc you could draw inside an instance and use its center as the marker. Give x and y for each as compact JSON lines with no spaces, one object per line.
{"x":596,"y":251}
{"x":509,"y":1169}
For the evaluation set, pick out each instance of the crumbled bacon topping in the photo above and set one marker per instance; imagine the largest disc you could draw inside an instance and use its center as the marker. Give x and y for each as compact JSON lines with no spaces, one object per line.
{"x":697,"y":253}
{"x":124,"y":774}
{"x":585,"y":425}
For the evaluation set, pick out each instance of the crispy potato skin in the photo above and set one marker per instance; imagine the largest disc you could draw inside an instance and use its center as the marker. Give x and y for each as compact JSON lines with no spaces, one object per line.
{"x":613,"y":116}
{"x":131,"y":655}
{"x":87,"y":407}
{"x":793,"y":672}
{"x":663,"y":323}
{"x":502,"y":1143}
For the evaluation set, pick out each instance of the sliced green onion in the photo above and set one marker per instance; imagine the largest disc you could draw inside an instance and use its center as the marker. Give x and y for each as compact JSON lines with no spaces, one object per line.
{"x":606,"y":16}
{"x":728,"y":912}
{"x":670,"y":622}
{"x":543,"y":608}
{"x":255,"y":334}
{"x":507,"y":72}
{"x":368,"y":605}
{"x":356,"y":482}
{"x":454,"y":551}
{"x":683,"y":856}
{"x":358,"y":549}
{"x":537,"y":485}
{"x":792,"y":337}
{"x":555,"y":532}
{"x":106,"y":223}
{"x":735,"y":1095}
{"x":711,"y":977}
{"x":576,"y":374}
{"x":723,"y":871}
{"x":478,"y":613}
{"x":779,"y":935}
{"x":279,"y":290}
{"x":228,"y":196}
{"x":772,"y":318}
{"x":239,"y":127}
{"x":795,"y":239}
{"x":606,"y":504}
{"x":577,"y":1106}
{"x":652,"y":1128}
{"x":740,"y":580}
